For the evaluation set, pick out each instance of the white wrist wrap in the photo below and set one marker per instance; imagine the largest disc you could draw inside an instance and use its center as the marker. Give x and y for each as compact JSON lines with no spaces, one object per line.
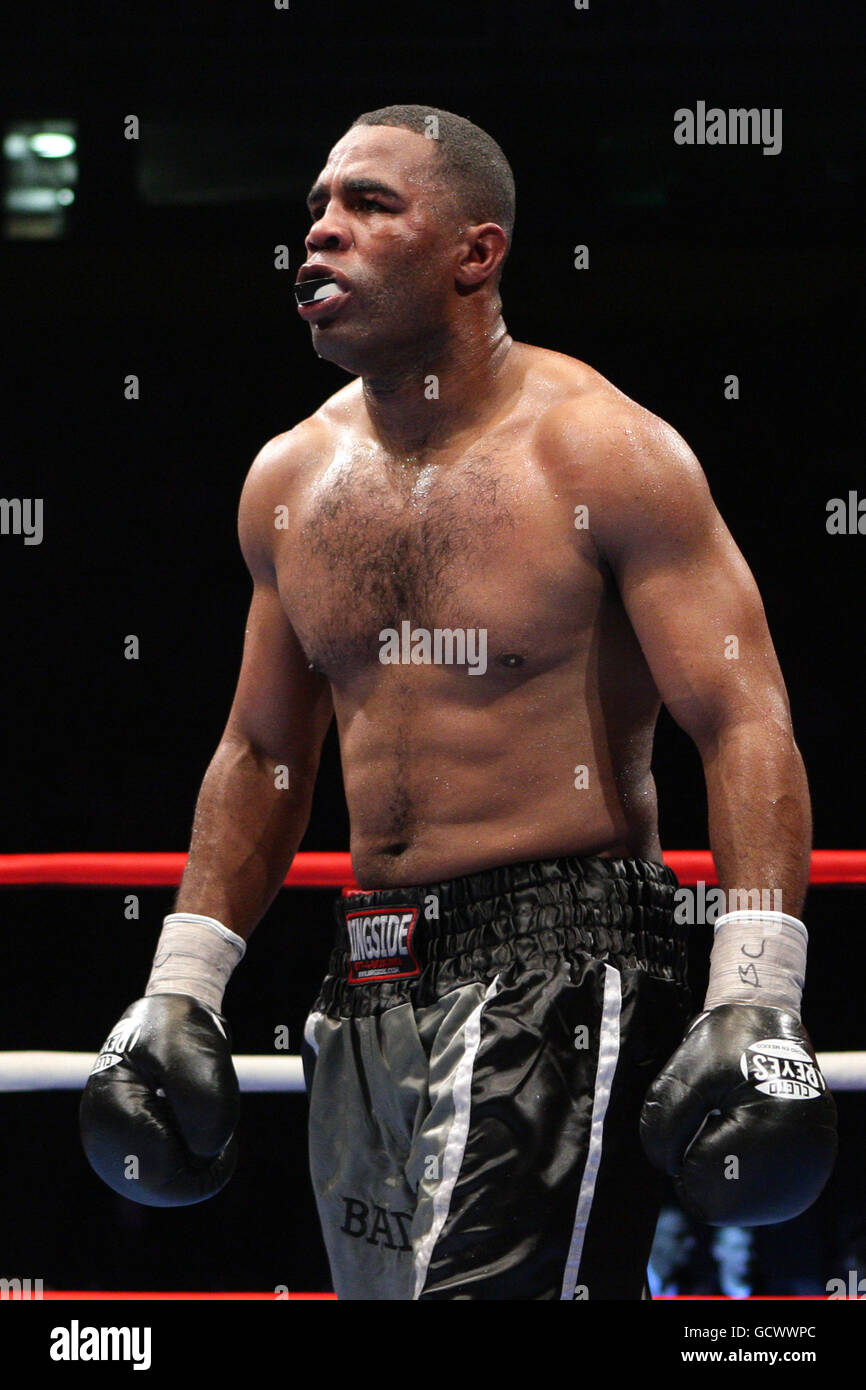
{"x":758,"y":958}
{"x":195,"y":955}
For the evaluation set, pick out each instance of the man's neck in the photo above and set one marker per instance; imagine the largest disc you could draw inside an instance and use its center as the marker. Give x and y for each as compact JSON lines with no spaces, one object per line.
{"x":424,"y":404}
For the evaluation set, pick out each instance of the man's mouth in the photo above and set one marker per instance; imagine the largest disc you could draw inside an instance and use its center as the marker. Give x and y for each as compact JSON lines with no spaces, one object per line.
{"x":320,"y":300}
{"x":310,"y":291}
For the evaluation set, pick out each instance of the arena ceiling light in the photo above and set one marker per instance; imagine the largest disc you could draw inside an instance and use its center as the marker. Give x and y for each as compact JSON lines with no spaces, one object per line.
{"x":39,"y":178}
{"x":52,"y":144}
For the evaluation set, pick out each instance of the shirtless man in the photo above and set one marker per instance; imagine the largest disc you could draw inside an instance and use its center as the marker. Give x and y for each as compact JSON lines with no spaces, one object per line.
{"x":492,"y":567}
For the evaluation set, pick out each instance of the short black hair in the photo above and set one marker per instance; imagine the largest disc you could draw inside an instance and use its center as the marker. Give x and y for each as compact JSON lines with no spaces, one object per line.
{"x":471,"y":162}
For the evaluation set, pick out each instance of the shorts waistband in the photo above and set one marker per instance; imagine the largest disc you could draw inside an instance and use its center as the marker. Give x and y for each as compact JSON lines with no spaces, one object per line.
{"x":621,"y":910}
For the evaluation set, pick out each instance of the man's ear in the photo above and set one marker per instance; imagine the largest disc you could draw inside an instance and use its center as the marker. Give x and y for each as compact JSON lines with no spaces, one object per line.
{"x":484,"y":250}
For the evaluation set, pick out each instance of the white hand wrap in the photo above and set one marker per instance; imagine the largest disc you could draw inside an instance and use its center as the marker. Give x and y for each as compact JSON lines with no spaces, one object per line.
{"x":195,"y":955}
{"x":758,"y":958}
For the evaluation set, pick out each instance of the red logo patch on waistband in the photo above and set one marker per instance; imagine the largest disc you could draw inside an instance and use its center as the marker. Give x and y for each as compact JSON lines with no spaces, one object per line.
{"x":380,"y":944}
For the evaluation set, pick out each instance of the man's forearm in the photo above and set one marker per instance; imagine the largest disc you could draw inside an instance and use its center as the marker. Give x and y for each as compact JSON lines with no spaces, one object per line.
{"x":760,"y":821}
{"x":246,"y":830}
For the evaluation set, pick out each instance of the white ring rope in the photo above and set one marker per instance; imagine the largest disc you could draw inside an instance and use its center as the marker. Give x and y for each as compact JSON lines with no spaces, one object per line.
{"x":68,"y":1071}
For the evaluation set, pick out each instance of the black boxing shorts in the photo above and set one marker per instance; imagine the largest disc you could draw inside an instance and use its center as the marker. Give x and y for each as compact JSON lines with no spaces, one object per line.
{"x":476,"y":1063}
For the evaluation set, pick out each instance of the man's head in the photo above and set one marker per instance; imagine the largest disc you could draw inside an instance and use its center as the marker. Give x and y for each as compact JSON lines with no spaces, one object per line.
{"x":673,"y":1244}
{"x":732,"y":1249}
{"x":470,"y":169}
{"x":414,"y":211}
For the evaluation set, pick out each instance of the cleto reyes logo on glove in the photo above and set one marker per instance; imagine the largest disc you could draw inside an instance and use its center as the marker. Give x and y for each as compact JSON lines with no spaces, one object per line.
{"x":781,"y":1068}
{"x":120,"y":1040}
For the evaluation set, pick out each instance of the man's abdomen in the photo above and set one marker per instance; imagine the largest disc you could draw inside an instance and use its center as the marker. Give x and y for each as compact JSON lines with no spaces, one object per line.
{"x":450,"y":791}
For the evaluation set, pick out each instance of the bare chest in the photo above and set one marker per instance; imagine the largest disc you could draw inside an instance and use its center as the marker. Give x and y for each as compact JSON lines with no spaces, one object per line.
{"x":481,"y":543}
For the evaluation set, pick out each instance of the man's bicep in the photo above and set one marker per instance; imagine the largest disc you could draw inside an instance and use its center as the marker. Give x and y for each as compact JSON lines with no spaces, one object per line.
{"x":280,"y":707}
{"x":702,"y":629}
{"x":693,"y":601}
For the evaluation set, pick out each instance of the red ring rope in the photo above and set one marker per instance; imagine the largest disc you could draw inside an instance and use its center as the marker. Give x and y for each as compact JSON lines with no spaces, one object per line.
{"x":323,"y":869}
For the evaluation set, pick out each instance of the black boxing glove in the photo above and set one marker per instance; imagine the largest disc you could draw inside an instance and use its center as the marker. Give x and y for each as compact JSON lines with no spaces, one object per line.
{"x":160,"y":1107}
{"x":741,"y":1117}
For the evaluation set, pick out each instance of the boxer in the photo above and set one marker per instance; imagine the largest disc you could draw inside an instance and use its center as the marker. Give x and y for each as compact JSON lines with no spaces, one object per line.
{"x":503,"y":1059}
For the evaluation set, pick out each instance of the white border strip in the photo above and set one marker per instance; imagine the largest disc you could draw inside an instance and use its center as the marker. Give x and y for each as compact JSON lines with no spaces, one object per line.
{"x":455,"y":1145}
{"x":608,"y":1056}
{"x":310,"y":1031}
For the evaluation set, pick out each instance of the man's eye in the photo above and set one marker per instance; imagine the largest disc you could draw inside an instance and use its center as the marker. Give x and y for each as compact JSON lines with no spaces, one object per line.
{"x":374,"y":203}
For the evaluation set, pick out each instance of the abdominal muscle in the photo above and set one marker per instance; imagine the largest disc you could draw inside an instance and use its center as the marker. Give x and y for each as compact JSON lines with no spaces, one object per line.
{"x":438,"y":785}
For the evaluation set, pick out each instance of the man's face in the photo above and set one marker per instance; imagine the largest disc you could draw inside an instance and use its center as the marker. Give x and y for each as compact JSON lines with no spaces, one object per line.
{"x":732,"y":1249}
{"x":673,"y":1243}
{"x":384,"y":222}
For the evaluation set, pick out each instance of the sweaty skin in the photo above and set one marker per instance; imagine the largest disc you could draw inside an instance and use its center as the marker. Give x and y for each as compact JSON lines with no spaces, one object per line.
{"x":528,"y":498}
{"x":445,"y":771}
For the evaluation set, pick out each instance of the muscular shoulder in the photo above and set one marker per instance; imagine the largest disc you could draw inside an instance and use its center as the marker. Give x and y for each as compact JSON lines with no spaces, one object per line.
{"x":283,"y":468}
{"x":632,"y":470}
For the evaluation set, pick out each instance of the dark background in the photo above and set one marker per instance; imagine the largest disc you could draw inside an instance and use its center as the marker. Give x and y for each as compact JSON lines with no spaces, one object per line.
{"x":703,"y":262}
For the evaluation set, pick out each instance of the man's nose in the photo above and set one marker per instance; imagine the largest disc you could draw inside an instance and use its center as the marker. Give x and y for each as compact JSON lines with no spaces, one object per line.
{"x":328,"y":232}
